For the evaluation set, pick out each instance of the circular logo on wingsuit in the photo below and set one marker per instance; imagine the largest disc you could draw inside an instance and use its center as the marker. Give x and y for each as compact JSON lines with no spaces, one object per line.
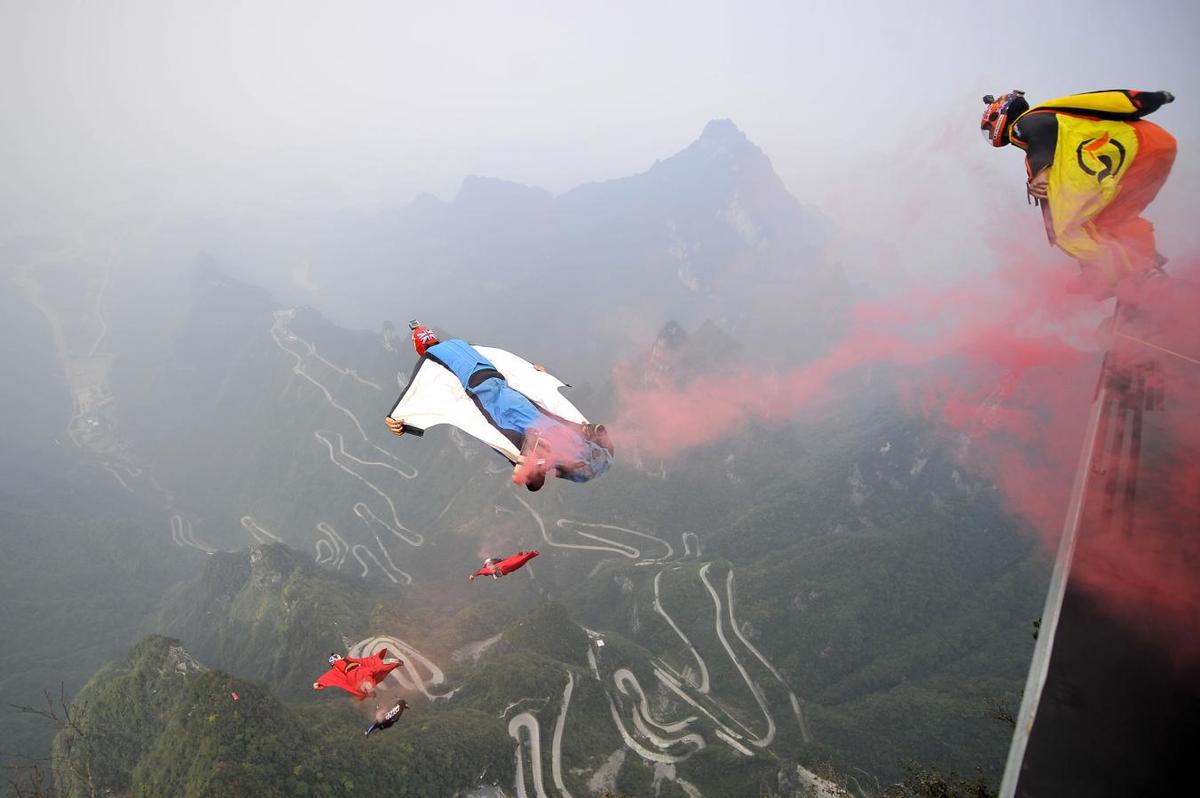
{"x":1101,"y":157}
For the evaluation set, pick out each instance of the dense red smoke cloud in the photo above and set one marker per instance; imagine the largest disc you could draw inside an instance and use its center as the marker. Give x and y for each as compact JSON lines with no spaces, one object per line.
{"x":1144,"y":563}
{"x":1009,"y":363}
{"x":1016,"y":320}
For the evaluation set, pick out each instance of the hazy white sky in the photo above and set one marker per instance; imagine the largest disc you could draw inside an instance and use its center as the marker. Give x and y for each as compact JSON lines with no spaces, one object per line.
{"x":164,"y":104}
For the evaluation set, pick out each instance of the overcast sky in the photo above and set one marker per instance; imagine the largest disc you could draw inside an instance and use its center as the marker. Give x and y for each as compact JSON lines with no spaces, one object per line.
{"x":179,"y":105}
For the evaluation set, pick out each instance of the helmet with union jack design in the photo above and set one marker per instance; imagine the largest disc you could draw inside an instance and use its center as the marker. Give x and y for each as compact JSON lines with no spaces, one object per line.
{"x":423,"y":337}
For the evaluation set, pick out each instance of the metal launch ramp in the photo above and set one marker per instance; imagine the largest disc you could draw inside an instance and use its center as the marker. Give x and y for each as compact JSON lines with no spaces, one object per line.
{"x":1109,"y":709}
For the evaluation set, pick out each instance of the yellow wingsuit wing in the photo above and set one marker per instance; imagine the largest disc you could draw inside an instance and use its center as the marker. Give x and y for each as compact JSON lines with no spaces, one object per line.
{"x":1091,"y":159}
{"x":1109,"y":104}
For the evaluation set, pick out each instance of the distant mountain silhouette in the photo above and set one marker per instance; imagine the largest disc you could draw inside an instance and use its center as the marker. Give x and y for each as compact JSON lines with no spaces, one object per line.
{"x":708,"y":233}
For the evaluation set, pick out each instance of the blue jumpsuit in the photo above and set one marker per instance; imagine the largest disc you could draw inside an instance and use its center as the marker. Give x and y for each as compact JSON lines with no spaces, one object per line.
{"x":512,"y":413}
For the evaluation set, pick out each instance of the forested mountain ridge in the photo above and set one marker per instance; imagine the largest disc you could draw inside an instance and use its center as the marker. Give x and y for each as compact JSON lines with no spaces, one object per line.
{"x":162,"y":723}
{"x":851,"y":556}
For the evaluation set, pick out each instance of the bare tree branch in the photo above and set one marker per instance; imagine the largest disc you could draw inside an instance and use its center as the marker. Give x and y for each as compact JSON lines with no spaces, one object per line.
{"x":66,"y":716}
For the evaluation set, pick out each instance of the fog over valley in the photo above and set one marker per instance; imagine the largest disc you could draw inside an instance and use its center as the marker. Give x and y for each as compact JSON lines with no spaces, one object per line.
{"x":843,"y":381}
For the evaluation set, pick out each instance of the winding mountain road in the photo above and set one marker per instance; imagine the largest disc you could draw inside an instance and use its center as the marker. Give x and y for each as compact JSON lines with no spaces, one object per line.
{"x":409,"y":676}
{"x":257,"y":531}
{"x":556,"y":749}
{"x":412,"y":538}
{"x":529,"y":723}
{"x":703,"y":687}
{"x":762,"y":741}
{"x":615,"y":547}
{"x":804,"y":733}
{"x":335,"y":544}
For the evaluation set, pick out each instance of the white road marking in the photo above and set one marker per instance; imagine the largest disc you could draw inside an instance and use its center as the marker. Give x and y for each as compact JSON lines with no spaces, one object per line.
{"x":354,"y":550}
{"x":563,"y":523}
{"x":556,"y":749}
{"x":258,"y":531}
{"x":623,"y":549}
{"x":409,"y":676}
{"x":326,"y":554}
{"x":529,"y":723}
{"x":766,"y":739}
{"x":278,"y":331}
{"x":703,"y":687}
{"x":416,"y":539}
{"x":340,"y":547}
{"x":641,"y":750}
{"x":181,"y":534}
{"x":675,"y":687}
{"x":368,"y":517}
{"x":626,"y":681}
{"x":738,"y":631}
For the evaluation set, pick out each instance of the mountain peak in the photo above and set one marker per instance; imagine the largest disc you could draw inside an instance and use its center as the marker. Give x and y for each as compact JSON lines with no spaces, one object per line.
{"x":722,"y":138}
{"x":724,"y":131}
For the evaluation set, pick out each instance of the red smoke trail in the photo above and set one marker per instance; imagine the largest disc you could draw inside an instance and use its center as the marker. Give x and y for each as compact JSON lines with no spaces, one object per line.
{"x":990,"y":323}
{"x":989,"y":358}
{"x":1010,"y":363}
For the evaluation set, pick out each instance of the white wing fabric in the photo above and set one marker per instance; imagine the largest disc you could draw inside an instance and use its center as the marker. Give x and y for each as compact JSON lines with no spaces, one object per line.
{"x":541,"y":387}
{"x":435,"y":396}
